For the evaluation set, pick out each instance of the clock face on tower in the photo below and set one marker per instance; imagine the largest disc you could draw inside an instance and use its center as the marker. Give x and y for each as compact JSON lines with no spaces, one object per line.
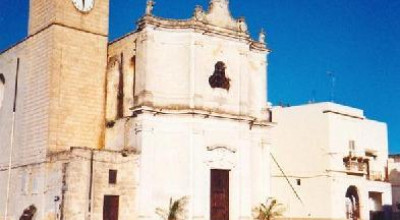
{"x":83,"y":5}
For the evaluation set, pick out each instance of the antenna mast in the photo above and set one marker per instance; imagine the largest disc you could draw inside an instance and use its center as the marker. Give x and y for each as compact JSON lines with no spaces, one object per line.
{"x":332,"y":78}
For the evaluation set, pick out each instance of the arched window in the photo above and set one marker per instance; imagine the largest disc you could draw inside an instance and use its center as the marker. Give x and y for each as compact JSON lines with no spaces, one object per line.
{"x":2,"y":85}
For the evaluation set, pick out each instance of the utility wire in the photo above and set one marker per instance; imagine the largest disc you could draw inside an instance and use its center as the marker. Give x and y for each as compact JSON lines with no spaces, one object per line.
{"x":287,"y":179}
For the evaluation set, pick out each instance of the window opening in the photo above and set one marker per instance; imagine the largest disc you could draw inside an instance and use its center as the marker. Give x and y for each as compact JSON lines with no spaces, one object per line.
{"x":112,"y":176}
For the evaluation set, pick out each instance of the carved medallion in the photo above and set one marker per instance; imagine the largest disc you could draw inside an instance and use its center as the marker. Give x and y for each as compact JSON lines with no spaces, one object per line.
{"x":218,"y":79}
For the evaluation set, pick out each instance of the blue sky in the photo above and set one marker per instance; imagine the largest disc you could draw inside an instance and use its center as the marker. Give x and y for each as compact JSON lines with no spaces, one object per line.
{"x":358,"y":41}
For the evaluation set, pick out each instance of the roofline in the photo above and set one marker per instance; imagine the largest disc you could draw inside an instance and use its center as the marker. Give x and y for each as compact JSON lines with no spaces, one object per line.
{"x":123,"y":37}
{"x":13,"y":45}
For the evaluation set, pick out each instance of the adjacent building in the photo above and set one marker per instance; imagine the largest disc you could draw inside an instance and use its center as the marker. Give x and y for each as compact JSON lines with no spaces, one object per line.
{"x":330,"y":162}
{"x":394,"y":178}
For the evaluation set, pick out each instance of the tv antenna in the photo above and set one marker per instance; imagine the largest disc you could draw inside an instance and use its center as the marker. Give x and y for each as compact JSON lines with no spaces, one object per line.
{"x":332,"y":78}
{"x":313,"y":96}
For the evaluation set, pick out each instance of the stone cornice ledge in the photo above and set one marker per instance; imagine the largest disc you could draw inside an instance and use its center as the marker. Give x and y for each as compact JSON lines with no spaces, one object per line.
{"x":202,"y":27}
{"x":200,"y":112}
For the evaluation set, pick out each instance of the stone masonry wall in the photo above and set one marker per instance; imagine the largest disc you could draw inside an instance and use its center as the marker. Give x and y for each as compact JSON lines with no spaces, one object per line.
{"x":44,"y":12}
{"x":59,"y":188}
{"x":34,"y":184}
{"x":32,"y":109}
{"x":85,"y":175}
{"x":78,"y":93}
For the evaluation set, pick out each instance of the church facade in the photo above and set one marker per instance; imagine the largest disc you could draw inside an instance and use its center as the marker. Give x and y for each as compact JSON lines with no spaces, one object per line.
{"x":99,"y":130}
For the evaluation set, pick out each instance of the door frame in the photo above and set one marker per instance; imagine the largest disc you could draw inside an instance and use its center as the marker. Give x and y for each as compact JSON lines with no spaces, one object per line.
{"x":227,"y":201}
{"x":113,"y":198}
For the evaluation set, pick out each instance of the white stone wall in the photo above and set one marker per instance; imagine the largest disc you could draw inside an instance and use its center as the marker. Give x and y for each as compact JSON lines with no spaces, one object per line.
{"x":173,"y":67}
{"x":181,"y":127}
{"x":310,"y":143}
{"x":368,"y":136}
{"x":298,"y":141}
{"x":177,"y":153}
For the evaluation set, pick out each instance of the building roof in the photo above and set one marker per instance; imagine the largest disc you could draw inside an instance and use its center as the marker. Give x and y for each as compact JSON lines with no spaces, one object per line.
{"x":329,"y":107}
{"x":217,"y":20}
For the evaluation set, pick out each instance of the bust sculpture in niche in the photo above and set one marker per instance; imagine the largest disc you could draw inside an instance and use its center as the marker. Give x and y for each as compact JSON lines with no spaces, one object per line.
{"x":218,"y":79}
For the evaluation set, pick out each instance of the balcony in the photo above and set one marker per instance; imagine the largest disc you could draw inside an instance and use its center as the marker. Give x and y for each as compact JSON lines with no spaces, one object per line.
{"x":355,"y":165}
{"x":358,"y":165}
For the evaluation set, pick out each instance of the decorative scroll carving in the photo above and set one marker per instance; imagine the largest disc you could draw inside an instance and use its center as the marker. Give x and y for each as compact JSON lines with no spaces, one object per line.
{"x":219,"y":15}
{"x":211,"y":148}
{"x":199,"y":13}
{"x":219,"y":79}
{"x":217,"y":20}
{"x":221,"y":158}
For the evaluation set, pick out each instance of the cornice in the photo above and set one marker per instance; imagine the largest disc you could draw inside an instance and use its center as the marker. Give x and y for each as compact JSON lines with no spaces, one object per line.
{"x":216,"y":21}
{"x":200,"y":26}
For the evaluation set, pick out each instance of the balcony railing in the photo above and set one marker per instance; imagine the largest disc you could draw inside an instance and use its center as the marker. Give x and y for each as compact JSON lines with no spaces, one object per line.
{"x":355,"y":166}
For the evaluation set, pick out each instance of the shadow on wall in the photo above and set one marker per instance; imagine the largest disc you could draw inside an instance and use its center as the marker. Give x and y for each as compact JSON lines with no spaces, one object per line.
{"x":386,"y":214}
{"x":396,"y":216}
{"x":394,"y":176}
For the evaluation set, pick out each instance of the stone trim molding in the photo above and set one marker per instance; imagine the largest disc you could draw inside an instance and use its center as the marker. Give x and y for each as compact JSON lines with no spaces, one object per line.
{"x":182,"y":110}
{"x":221,"y":158}
{"x":231,"y":149}
{"x":216,"y":21}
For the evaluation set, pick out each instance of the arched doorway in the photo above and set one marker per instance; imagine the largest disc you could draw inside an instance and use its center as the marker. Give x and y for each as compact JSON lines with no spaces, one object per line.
{"x":352,"y":203}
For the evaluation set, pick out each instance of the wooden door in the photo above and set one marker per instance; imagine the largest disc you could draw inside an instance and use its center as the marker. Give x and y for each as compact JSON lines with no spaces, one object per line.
{"x":219,"y":195}
{"x":110,"y":208}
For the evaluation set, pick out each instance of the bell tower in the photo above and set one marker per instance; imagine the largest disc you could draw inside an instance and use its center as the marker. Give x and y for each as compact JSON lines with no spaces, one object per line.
{"x":91,"y":16}
{"x":74,"y":36}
